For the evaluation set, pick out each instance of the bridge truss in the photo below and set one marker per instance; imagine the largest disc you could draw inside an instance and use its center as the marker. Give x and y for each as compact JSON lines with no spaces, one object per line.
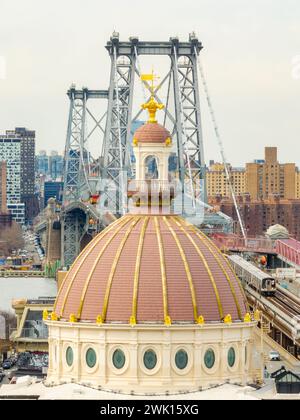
{"x":182,"y":115}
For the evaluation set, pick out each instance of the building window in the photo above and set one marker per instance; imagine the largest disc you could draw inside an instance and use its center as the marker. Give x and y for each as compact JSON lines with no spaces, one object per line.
{"x":209,"y":359}
{"x":231,"y":357}
{"x":119,"y":359}
{"x":150,"y":359}
{"x":69,"y":356}
{"x":91,"y":358}
{"x":181,"y":359}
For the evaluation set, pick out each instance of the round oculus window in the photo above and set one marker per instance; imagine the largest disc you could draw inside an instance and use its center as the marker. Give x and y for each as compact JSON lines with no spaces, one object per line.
{"x":119,"y":359}
{"x":181,"y":359}
{"x":69,"y":356}
{"x":91,"y":358}
{"x":209,"y":359}
{"x":231,"y":357}
{"x":150,"y":359}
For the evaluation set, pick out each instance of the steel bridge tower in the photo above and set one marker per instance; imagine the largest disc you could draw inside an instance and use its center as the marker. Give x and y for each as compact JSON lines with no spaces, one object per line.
{"x":81,"y":172}
{"x":183,"y":114}
{"x":112,"y":168}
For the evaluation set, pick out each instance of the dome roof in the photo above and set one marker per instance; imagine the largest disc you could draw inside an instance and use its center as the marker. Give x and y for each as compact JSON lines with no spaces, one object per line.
{"x":278,"y":232}
{"x":151,"y":133}
{"x":150,"y":269}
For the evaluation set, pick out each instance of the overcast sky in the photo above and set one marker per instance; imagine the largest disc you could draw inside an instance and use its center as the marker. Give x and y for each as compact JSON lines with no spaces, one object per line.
{"x":249,"y":47}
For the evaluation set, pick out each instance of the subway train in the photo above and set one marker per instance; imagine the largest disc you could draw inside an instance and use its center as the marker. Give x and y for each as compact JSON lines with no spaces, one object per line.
{"x":251,"y":276}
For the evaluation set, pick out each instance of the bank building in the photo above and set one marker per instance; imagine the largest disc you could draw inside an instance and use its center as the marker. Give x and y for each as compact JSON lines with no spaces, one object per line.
{"x":151,"y":305}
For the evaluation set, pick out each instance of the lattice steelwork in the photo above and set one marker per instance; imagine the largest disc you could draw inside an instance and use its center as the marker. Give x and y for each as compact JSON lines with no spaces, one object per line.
{"x":118,"y":127}
{"x":182,"y":80}
{"x":79,"y":166}
{"x":73,"y":229}
{"x":80,"y":170}
{"x":182,"y":116}
{"x":188,"y":116}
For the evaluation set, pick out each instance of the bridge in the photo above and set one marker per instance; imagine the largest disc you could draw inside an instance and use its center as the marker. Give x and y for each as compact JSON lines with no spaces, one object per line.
{"x":234,"y":243}
{"x":95,"y":187}
{"x":288,"y":250}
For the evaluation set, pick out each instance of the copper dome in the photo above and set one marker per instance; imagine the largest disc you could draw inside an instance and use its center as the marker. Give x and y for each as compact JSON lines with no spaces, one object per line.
{"x":151,"y":133}
{"x":154,"y":269}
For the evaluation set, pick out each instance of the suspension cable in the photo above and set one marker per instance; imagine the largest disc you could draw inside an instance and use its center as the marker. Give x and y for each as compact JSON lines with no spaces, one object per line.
{"x":220,"y":142}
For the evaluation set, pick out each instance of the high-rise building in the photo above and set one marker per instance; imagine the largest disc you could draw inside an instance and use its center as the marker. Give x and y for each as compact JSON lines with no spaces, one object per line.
{"x":50,"y":166}
{"x":10,"y":151}
{"x":3,"y":198}
{"x":27,"y":159}
{"x":42,"y":163}
{"x":17,"y":211}
{"x":297,"y":183}
{"x":56,"y":165}
{"x":28,"y":172}
{"x":217,"y":184}
{"x":53,"y":190}
{"x":268,"y":178}
{"x":5,"y":216}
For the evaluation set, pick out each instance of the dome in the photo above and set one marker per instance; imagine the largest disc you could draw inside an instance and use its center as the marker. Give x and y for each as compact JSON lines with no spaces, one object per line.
{"x":277,"y":232}
{"x":151,"y":133}
{"x":151,"y":269}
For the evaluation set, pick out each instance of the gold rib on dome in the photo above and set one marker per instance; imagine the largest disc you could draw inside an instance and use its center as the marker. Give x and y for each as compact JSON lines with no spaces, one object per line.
{"x":85,"y":289}
{"x":167,"y":318}
{"x":182,"y":228}
{"x":218,"y":251}
{"x":187,"y":269}
{"x":202,"y":237}
{"x":84,"y":254}
{"x":114,"y":266}
{"x":133,"y":319}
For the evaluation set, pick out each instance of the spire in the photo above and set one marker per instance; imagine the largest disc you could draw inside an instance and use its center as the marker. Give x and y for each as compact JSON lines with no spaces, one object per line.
{"x":152,"y":106}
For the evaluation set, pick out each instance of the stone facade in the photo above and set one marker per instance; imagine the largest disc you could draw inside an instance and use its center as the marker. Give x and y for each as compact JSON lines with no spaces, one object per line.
{"x":165,"y":376}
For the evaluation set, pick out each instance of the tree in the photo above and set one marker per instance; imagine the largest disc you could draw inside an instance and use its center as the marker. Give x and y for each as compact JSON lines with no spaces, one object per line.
{"x":11,"y":239}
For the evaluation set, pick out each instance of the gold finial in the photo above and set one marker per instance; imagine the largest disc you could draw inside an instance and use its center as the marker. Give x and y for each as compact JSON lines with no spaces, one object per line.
{"x":152,"y":106}
{"x":228,"y":319}
{"x":257,"y":315}
{"x":45,"y":314}
{"x":169,"y":141}
{"x":247,"y":318}
{"x":133,"y":321}
{"x":201,"y":320}
{"x":73,"y":318}
{"x":99,"y":320}
{"x":168,"y":321}
{"x":54,"y":317}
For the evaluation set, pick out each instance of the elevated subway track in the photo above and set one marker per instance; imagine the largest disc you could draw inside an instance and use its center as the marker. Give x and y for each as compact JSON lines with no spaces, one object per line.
{"x":281,"y":311}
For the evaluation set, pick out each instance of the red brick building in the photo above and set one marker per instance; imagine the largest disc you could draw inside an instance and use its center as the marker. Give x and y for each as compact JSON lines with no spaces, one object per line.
{"x":259,"y":215}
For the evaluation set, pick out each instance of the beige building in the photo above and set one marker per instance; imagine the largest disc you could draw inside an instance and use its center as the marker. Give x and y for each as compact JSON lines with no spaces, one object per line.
{"x":217,"y":183}
{"x":151,"y":305}
{"x":31,"y":333}
{"x":260,"y":179}
{"x":297,"y":183}
{"x":269,"y":177}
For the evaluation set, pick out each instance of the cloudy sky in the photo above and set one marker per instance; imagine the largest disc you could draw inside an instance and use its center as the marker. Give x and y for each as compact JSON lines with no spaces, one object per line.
{"x":251,"y":59}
